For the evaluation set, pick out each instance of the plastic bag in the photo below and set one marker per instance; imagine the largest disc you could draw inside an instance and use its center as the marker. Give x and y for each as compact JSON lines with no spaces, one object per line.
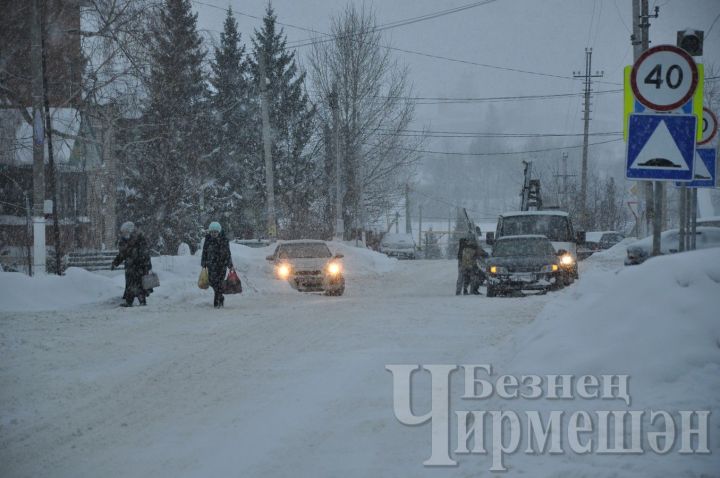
{"x":204,"y":279}
{"x":150,"y":281}
{"x":232,"y":284}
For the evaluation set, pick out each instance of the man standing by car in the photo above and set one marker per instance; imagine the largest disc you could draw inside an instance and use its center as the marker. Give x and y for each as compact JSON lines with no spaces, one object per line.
{"x":216,"y":257}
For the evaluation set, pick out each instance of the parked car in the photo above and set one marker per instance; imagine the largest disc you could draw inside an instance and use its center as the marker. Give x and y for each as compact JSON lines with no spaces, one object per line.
{"x":400,"y":245}
{"x":639,"y":251}
{"x":309,"y":266}
{"x":713,"y":221}
{"x":527,"y":262}
{"x":601,"y":240}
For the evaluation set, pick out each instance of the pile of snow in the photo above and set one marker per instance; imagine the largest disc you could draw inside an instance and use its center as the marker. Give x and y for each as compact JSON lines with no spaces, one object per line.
{"x":612,"y":256}
{"x":178,"y":279}
{"x":19,"y":292}
{"x":658,"y":323}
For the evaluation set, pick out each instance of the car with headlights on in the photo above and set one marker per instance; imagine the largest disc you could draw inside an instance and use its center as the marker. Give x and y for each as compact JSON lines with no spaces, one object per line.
{"x":309,"y":266}
{"x":527,"y":262}
{"x":639,"y":251}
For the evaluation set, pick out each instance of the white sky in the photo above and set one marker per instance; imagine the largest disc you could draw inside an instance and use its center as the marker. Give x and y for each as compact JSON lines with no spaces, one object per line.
{"x":547,"y":36}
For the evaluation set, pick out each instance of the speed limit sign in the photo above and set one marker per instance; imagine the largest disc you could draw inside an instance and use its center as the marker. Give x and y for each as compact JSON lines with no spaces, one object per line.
{"x":709,"y":126}
{"x":664,"y":78}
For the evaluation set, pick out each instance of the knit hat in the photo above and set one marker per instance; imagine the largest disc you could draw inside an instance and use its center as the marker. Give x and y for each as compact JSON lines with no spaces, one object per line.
{"x":127,"y":228}
{"x":215,"y":226}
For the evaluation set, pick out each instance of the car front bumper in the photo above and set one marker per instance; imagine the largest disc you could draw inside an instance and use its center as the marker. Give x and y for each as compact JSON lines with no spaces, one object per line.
{"x":317,"y":282}
{"x":524,"y":280}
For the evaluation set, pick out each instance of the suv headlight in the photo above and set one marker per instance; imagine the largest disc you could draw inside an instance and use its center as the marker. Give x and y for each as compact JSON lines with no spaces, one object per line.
{"x":567,"y":260}
{"x":498,"y":270}
{"x":334,"y":268}
{"x":283,"y":270}
{"x":549,"y":268}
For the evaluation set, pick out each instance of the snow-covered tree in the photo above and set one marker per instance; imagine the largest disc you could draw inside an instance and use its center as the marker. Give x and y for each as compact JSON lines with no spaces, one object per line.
{"x":291,"y":126}
{"x":166,"y":178}
{"x":374,"y":111}
{"x":235,"y":164}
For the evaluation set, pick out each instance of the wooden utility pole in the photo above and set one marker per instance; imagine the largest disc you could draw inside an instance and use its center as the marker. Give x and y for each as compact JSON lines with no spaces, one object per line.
{"x":339,"y":223}
{"x":36,"y":66}
{"x":267,"y":147}
{"x":587,"y":77}
{"x":52,"y":173}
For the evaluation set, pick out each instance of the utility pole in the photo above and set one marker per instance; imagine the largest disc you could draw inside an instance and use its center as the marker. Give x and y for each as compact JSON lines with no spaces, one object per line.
{"x":564,"y":189}
{"x":267,"y":144}
{"x":408,"y":224}
{"x":397,"y":222}
{"x":38,"y":140}
{"x":420,"y":241}
{"x":51,"y":157}
{"x":587,"y":77}
{"x":339,"y":225}
{"x":654,"y":192}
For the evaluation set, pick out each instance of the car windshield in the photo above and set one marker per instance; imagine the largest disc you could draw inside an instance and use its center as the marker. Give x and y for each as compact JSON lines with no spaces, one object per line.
{"x":612,"y":237}
{"x":303,"y":251}
{"x":553,"y":227}
{"x":523,"y":247}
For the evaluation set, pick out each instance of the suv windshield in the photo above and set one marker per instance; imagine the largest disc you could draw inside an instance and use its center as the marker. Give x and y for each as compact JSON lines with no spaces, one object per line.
{"x":523,"y":247}
{"x":555,"y":228}
{"x":303,"y":251}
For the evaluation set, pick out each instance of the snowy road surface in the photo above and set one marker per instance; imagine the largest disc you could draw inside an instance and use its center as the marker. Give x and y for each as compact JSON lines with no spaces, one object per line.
{"x":281,"y":383}
{"x":286,"y":385}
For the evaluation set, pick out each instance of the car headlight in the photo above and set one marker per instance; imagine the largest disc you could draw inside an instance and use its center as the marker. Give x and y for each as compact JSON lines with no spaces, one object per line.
{"x":334,"y":268}
{"x":283,"y":271}
{"x":549,"y":268}
{"x":567,"y":260}
{"x":498,"y":270}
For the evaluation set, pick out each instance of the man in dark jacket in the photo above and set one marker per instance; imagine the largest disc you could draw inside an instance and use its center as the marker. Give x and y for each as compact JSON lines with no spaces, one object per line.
{"x":133,"y":251}
{"x":216,"y":257}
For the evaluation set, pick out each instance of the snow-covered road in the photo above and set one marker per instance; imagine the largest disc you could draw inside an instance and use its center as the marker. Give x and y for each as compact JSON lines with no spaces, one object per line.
{"x":273,"y":385}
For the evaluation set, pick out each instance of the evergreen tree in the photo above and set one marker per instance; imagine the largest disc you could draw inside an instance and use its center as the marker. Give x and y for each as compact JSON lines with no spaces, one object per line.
{"x":235,"y":162}
{"x":292,"y":122}
{"x":166,"y":177}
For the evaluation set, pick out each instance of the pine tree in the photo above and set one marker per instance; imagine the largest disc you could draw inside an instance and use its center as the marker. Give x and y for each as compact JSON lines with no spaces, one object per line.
{"x":292,"y":122}
{"x":236,"y":135}
{"x":167,"y":176}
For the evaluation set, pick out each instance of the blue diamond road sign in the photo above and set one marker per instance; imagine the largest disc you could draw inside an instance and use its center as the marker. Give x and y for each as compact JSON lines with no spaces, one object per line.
{"x":705,"y":170}
{"x":661,"y":147}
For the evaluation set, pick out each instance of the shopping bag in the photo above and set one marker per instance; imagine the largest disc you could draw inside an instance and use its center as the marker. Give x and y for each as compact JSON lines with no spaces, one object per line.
{"x":232,"y":284}
{"x":150,"y":281}
{"x":204,"y":279}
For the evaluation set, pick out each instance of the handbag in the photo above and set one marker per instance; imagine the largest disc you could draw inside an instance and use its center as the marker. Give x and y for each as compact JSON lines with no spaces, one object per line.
{"x":232,"y":284}
{"x":204,"y":279}
{"x":150,"y":281}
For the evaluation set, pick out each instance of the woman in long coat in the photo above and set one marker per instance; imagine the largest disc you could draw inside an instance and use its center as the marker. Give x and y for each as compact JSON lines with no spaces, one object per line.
{"x":133,"y":251}
{"x":216,"y":257}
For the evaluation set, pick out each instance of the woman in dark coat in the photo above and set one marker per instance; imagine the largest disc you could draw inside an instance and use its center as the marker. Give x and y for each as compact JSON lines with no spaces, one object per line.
{"x":216,"y":257}
{"x":133,"y":251}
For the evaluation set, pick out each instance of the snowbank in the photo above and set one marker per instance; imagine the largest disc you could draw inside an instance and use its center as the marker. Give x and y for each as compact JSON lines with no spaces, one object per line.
{"x":19,"y":292}
{"x":659,"y":323}
{"x":178,"y":279}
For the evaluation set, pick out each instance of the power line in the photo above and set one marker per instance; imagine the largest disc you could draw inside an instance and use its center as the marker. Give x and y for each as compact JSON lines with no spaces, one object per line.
{"x":507,"y":153}
{"x":495,"y":135}
{"x":403,"y":50}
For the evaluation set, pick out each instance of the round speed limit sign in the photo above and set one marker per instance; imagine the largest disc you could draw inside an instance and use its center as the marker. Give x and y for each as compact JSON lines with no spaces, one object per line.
{"x":664,"y":78}
{"x":709,"y":126}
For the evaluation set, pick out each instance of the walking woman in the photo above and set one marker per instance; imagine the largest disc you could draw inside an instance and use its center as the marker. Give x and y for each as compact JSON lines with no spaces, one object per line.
{"x":216,"y":257}
{"x":133,"y":251}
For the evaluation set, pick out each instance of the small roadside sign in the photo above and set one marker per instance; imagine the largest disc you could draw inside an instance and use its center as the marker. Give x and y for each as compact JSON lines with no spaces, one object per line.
{"x":708,"y":127}
{"x":661,"y":147}
{"x":664,"y":78}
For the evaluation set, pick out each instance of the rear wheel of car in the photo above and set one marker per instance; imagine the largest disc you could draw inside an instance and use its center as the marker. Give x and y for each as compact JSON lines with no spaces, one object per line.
{"x":491,"y":292}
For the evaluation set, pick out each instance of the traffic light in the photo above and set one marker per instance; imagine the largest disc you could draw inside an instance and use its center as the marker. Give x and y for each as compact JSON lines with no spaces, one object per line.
{"x":691,"y":41}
